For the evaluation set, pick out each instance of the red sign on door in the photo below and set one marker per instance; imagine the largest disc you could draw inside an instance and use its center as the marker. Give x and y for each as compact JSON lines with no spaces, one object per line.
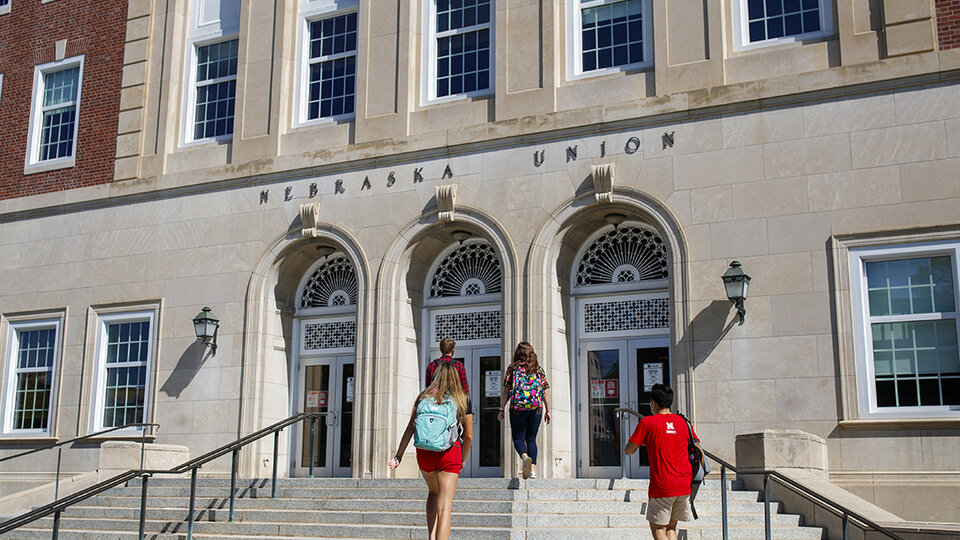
{"x":611,"y":388}
{"x":322,"y":399}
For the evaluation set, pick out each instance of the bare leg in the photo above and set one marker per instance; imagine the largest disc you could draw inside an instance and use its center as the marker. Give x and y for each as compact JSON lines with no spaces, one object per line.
{"x":433,"y":488}
{"x":448,"y":486}
{"x":664,"y":532}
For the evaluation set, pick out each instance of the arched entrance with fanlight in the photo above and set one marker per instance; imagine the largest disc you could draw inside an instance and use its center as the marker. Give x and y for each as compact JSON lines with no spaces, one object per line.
{"x":621,"y":344}
{"x":463,"y":301}
{"x":325,"y":330}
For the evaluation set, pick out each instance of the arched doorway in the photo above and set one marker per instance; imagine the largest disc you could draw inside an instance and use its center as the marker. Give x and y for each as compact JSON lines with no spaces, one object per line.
{"x":463,"y":301}
{"x":621,"y":304}
{"x":325,"y":330}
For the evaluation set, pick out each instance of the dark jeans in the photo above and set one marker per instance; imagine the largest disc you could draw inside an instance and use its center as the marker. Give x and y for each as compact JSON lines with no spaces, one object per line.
{"x":524,"y":426}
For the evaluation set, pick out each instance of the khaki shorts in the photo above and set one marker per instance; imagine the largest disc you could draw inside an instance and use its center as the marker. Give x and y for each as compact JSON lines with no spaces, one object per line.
{"x":663,"y":510}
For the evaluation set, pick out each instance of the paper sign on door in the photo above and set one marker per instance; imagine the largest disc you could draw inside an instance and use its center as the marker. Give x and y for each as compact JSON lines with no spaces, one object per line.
{"x":322,"y":399}
{"x":491,"y":386}
{"x":604,"y":388}
{"x":313,"y":397}
{"x":349,"y":389}
{"x":652,"y":374}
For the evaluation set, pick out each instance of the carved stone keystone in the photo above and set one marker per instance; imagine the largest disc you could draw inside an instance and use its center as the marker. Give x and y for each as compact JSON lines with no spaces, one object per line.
{"x":309,"y":218}
{"x":446,"y":201}
{"x":603,"y":182}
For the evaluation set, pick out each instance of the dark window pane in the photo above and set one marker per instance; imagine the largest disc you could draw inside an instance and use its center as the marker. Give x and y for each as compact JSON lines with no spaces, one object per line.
{"x":907,"y":393}
{"x":886,"y":393}
{"x":929,"y":392}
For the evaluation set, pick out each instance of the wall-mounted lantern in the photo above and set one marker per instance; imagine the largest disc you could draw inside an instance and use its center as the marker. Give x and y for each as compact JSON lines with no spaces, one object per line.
{"x":206,"y":324}
{"x":736,"y":282}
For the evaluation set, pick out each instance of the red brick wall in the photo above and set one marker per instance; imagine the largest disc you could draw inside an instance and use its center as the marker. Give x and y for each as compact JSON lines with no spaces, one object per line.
{"x":28,"y":35}
{"x":948,"y":23}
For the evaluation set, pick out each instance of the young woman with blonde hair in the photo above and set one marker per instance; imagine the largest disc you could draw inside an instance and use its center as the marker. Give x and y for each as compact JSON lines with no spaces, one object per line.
{"x":527,"y":389}
{"x":440,"y":468}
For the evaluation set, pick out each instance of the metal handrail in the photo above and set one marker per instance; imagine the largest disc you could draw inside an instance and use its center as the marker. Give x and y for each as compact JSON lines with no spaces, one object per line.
{"x":768,"y":474}
{"x":193,"y":466}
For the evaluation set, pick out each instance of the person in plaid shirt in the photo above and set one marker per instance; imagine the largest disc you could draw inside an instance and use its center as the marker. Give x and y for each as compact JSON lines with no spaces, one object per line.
{"x":447,"y":346}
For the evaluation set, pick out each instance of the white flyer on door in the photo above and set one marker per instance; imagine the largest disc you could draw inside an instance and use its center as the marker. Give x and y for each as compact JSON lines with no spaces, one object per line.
{"x":652,"y":374}
{"x":313,"y":398}
{"x":491,"y":386}
{"x":349,"y":389}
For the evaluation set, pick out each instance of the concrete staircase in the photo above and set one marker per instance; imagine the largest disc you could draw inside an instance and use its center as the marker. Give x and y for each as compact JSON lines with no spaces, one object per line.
{"x":488,"y":509}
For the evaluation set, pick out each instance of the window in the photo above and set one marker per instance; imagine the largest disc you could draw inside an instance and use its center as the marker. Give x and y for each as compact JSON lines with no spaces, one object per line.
{"x":4,"y":6}
{"x":125,"y":356}
{"x":216,"y":89}
{"x":609,"y":35}
{"x":763,"y":22}
{"x":331,"y":66}
{"x":55,"y":112}
{"x":908,"y":362}
{"x":32,"y":363}
{"x":461,"y":61}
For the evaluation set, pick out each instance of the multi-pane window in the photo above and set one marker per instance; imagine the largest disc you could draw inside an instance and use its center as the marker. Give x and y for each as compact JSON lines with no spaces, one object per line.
{"x":774,"y":19}
{"x":332,"y":64}
{"x":913,"y":325}
{"x":463,"y":34}
{"x":906,"y":302}
{"x":611,"y":34}
{"x":4,"y":6}
{"x":34,"y":354}
{"x":59,"y":113}
{"x":216,"y":89}
{"x":126,"y":356}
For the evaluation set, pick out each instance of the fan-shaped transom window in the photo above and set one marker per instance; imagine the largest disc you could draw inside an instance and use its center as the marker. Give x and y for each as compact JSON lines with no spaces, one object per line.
{"x":627,"y":254}
{"x":331,"y":284}
{"x":472,"y":269}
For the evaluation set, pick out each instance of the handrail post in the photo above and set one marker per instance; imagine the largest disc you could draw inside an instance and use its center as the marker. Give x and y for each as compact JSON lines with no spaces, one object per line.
{"x":623,"y":431}
{"x":313,"y":436}
{"x":846,"y":526}
{"x":233,"y":481}
{"x":56,"y":485}
{"x":193,"y":498}
{"x":766,"y":506}
{"x":276,"y":444}
{"x":56,"y":525}
{"x":723,"y":499}
{"x":143,"y":503}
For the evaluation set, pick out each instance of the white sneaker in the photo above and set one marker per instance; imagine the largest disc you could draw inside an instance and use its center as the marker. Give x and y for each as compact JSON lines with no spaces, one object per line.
{"x":532,"y":475}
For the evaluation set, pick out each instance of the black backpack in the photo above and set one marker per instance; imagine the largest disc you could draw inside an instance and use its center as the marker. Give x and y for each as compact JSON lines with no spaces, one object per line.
{"x":698,"y":464}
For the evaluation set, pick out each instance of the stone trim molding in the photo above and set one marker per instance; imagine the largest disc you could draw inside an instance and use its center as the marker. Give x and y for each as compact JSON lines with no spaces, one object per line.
{"x":446,"y":202}
{"x":133,"y":91}
{"x":603,"y":182}
{"x":309,"y":218}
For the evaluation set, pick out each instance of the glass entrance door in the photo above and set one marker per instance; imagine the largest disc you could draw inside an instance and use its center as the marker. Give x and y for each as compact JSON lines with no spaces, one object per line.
{"x":613,"y":374}
{"x":484,"y":376}
{"x":326,"y":386}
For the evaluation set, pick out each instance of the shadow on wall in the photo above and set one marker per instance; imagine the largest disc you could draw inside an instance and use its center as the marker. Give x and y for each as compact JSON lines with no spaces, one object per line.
{"x":186,"y":369}
{"x":711,"y":326}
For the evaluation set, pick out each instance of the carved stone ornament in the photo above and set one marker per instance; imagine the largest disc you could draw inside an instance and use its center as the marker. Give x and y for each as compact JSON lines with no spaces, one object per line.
{"x":446,"y":201}
{"x":309,"y":218}
{"x":603,"y":182}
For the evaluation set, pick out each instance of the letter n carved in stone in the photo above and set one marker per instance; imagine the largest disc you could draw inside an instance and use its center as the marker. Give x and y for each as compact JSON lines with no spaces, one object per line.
{"x":603,"y":182}
{"x":309,"y":218}
{"x":446,"y":201}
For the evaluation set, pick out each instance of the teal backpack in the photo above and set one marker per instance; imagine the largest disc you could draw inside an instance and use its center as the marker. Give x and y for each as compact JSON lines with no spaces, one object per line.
{"x":435,"y":428}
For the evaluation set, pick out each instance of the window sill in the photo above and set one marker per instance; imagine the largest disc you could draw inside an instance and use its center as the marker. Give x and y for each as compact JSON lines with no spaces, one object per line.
{"x":52,"y":165}
{"x":9,"y":438}
{"x":900,"y":424}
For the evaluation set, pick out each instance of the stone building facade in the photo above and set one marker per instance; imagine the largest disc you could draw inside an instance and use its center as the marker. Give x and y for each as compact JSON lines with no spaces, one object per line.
{"x":344,"y":183}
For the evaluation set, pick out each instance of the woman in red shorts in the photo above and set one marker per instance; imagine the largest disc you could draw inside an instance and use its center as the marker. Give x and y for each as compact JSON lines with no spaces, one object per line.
{"x":440,"y":470}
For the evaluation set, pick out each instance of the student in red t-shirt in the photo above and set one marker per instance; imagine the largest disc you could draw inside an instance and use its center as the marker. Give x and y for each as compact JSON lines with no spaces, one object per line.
{"x":666,"y":436}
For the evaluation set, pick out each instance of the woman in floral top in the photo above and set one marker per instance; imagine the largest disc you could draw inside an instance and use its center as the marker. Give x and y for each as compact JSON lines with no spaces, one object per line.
{"x":527,"y":389}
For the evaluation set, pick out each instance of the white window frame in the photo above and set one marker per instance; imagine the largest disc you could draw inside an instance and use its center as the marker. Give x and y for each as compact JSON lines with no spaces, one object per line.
{"x":312,"y":11}
{"x":741,"y":27}
{"x":6,"y":9}
{"x":575,"y":42}
{"x":189,"y":124}
{"x":32,"y":162}
{"x":11,"y":372}
{"x":429,"y":75}
{"x":100,"y":374}
{"x":863,"y":344}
